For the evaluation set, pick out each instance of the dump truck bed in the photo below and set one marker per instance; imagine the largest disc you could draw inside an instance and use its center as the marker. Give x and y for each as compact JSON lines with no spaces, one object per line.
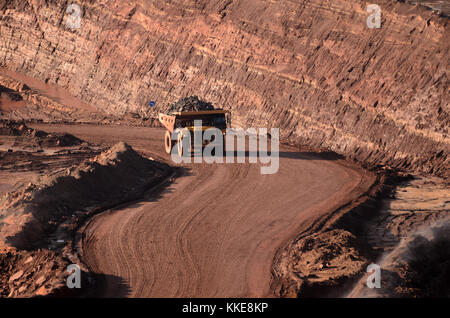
{"x":169,"y":120}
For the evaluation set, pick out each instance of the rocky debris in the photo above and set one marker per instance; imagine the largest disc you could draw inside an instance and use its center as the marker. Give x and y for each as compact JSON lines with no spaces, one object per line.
{"x":322,"y":260}
{"x":37,"y":138}
{"x":31,"y":273}
{"x":38,"y":161}
{"x":10,"y":128}
{"x":9,"y":94}
{"x":190,"y":104}
{"x":115,"y":176}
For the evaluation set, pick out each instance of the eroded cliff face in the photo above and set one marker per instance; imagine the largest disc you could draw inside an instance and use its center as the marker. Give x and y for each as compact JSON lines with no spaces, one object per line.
{"x":312,"y":68}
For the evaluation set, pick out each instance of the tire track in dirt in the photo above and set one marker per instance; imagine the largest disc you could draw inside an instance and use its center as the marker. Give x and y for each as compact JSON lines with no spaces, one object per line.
{"x":214,"y":232}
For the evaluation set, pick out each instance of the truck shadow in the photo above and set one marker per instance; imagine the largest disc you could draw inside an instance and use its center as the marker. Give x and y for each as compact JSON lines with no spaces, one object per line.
{"x":329,"y":155}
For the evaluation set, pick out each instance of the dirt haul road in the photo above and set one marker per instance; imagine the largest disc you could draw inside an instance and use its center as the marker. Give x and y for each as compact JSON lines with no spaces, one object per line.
{"x":214,"y":232}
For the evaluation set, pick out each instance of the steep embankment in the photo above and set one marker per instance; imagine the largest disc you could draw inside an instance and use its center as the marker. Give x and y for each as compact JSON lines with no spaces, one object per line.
{"x":115,"y":176}
{"x":38,"y":219}
{"x":312,"y":68}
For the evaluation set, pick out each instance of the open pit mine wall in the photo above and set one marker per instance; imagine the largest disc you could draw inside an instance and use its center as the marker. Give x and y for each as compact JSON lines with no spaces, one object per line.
{"x":312,"y":68}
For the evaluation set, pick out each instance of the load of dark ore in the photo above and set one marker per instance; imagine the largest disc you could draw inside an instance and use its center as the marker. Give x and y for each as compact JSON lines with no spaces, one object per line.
{"x":190,"y":104}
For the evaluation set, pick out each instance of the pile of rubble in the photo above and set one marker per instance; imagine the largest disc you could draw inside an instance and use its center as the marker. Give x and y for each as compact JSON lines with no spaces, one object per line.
{"x":32,"y":273}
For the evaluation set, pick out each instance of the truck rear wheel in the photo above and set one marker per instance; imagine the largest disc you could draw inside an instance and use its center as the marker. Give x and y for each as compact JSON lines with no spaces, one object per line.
{"x":168,"y":142}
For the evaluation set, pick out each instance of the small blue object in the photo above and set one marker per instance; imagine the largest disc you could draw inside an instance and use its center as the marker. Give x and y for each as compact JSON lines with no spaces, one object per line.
{"x":152,"y":103}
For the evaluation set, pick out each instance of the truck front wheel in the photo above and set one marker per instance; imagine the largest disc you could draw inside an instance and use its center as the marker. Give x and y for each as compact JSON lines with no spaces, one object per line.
{"x":168,"y":142}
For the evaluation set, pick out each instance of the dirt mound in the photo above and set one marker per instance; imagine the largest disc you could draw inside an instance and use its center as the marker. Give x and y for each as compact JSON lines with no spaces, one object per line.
{"x":191,"y":103}
{"x":32,"y":137}
{"x":116,"y":175}
{"x":321,"y":261}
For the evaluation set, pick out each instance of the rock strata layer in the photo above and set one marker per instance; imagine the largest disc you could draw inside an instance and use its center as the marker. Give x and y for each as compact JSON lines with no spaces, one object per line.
{"x":312,"y":68}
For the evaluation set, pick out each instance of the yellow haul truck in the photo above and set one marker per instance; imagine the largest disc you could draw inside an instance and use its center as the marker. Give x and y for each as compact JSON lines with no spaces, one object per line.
{"x":185,"y":121}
